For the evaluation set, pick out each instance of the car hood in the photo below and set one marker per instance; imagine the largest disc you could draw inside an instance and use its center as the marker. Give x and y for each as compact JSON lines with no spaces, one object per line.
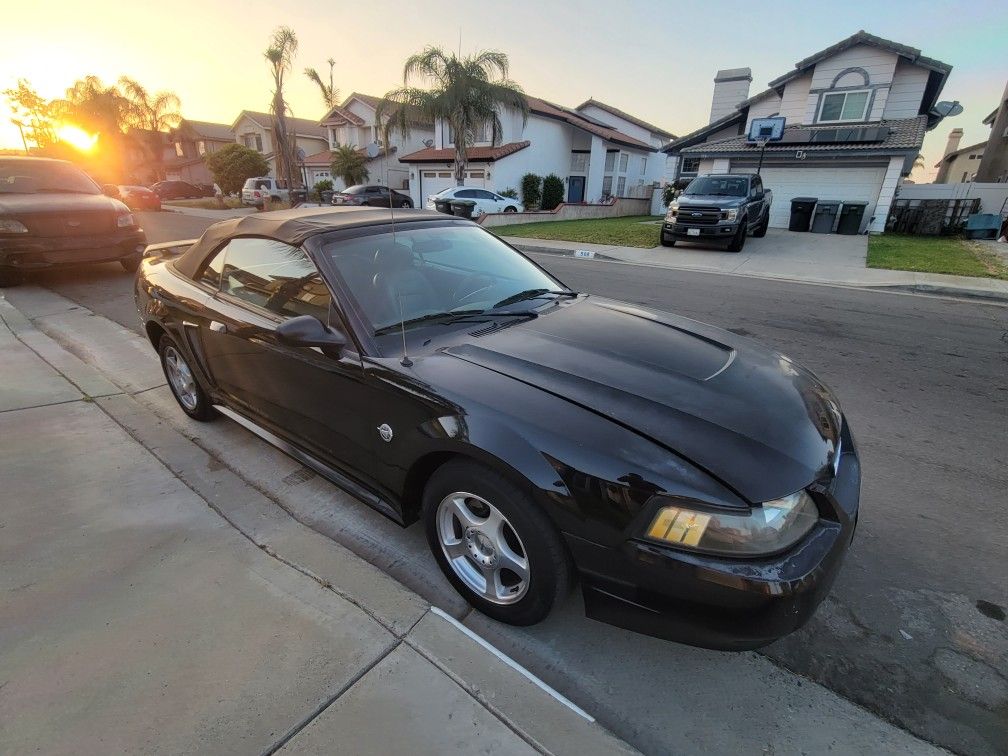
{"x":21,"y":204}
{"x":711,"y":199}
{"x":751,"y":417}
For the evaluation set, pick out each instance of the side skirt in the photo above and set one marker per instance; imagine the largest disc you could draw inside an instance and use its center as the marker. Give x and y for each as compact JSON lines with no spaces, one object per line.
{"x":334,"y":476}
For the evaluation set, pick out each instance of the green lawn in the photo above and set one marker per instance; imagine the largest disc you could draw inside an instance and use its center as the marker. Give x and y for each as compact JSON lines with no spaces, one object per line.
{"x":934,"y":254}
{"x":629,"y":231}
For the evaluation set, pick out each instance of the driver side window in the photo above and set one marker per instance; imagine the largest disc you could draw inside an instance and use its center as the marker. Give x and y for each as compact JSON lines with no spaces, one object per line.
{"x":270,"y":275}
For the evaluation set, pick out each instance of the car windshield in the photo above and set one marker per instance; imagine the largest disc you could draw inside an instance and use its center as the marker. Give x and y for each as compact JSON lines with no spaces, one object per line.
{"x":718,"y":186}
{"x":355,"y":189}
{"x":42,"y":177}
{"x":430,"y":271}
{"x":446,"y":192}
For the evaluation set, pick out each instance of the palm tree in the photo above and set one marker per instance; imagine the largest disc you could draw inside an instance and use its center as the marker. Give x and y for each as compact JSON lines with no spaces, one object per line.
{"x":152,"y":114}
{"x":280,"y":54}
{"x":350,"y":165}
{"x":330,"y":94}
{"x":465,"y":93}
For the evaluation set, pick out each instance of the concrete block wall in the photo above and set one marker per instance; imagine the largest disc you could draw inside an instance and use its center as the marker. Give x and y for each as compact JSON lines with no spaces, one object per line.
{"x":620,"y":207}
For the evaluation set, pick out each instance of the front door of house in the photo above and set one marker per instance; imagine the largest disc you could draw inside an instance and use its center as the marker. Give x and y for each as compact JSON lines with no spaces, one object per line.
{"x":575,"y":189}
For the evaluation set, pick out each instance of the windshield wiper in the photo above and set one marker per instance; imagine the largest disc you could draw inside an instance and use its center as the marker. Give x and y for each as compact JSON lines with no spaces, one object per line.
{"x":453,"y":317}
{"x":521,"y":296}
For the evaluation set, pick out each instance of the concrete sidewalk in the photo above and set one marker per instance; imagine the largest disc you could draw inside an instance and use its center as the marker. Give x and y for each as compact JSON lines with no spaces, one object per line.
{"x":783,"y":255}
{"x":143,"y":612}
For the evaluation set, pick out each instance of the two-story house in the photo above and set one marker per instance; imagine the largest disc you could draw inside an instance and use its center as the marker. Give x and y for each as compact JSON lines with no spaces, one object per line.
{"x":856,"y":115}
{"x":255,"y":131}
{"x":191,"y":142}
{"x":354,"y":123}
{"x":595,"y":159}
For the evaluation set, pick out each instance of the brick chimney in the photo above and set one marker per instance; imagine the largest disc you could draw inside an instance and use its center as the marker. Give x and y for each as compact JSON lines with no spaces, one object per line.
{"x":731,"y":86}
{"x":955,"y":136}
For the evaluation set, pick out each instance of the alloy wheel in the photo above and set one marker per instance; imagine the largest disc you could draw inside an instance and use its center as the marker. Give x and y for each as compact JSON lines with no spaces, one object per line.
{"x":181,"y":378}
{"x":482,"y":548}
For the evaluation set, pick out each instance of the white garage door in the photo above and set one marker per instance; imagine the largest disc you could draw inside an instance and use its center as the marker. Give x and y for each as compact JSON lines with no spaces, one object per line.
{"x":435,"y":181}
{"x":824,"y":183}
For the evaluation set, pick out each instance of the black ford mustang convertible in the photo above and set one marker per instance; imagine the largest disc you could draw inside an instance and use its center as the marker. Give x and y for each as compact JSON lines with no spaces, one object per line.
{"x":701,"y":487}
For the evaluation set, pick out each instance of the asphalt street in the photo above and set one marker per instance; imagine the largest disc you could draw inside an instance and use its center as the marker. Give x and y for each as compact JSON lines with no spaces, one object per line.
{"x":915,"y":627}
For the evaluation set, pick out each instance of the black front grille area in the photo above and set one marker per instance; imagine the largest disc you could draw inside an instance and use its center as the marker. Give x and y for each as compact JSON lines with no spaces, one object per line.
{"x":70,"y":223}
{"x":699,"y":216}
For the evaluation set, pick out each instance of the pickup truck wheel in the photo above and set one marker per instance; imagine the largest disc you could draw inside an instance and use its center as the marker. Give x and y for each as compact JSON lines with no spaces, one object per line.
{"x":666,"y":241}
{"x":130,"y":263}
{"x":761,"y":230}
{"x":10,"y":277}
{"x":738,"y":241}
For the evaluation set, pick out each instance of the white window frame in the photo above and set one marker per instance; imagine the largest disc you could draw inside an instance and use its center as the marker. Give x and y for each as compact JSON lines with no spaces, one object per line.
{"x":845,"y":93}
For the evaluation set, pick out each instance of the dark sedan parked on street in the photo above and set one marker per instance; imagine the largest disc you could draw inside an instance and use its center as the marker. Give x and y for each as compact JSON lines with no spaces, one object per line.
{"x":374,"y":196}
{"x":52,"y":214}
{"x":701,"y":487}
{"x":139,"y":198}
{"x":169,"y":190}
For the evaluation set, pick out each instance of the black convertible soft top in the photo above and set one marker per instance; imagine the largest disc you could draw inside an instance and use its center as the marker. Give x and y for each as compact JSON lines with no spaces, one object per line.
{"x":293,"y":227}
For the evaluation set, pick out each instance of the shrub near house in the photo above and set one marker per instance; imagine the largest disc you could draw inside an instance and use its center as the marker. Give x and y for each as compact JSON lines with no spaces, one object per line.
{"x":232,"y":165}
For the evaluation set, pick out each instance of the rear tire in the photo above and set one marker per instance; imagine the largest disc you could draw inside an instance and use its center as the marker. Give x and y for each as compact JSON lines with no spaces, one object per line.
{"x":10,"y":277}
{"x":132,"y":263}
{"x":183,"y":384}
{"x":504,"y":526}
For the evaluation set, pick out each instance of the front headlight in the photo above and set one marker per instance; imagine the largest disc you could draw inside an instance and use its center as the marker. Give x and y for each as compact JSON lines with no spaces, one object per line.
{"x":125,"y":220}
{"x":769,"y":528}
{"x":729,"y":215}
{"x":672,"y":212}
{"x":11,"y":226}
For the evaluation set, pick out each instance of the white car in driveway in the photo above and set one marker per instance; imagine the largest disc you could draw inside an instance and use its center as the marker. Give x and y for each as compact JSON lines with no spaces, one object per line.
{"x":486,"y":201}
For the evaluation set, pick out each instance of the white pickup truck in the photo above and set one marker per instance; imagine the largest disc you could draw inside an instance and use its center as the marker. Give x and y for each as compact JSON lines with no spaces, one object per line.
{"x":257,"y":190}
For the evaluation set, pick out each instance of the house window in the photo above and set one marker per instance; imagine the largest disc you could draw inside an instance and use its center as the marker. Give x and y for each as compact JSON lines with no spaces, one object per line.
{"x":624,"y":161}
{"x":690,"y":165}
{"x":579,"y":162}
{"x":844,"y":106}
{"x":201,"y":147}
{"x":480,"y":134}
{"x":610,"y":162}
{"x":253,"y":141}
{"x":607,"y":186}
{"x":179,"y":149}
{"x":621,"y":186}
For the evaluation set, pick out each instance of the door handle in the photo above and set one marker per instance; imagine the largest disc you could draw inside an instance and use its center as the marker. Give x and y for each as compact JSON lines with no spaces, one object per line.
{"x":218,"y":327}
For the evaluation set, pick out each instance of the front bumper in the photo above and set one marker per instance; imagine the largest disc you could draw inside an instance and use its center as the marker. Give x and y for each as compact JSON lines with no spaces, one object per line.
{"x":716,"y":602}
{"x":723,"y":230}
{"x":34,"y":253}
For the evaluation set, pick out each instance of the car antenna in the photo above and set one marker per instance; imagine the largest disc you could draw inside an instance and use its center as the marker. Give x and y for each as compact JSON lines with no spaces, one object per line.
{"x":405,"y":361}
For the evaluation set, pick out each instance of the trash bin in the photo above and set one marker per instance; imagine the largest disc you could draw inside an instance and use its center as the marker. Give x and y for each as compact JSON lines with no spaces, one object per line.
{"x":825,"y":216}
{"x":443,"y":206}
{"x":463,"y":208}
{"x":326,"y":196}
{"x":801,"y":213}
{"x":850,"y":217}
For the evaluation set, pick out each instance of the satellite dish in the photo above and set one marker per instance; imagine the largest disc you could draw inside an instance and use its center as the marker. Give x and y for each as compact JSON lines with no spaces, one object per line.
{"x":428,"y":142}
{"x":372,"y":150}
{"x":948,"y":109}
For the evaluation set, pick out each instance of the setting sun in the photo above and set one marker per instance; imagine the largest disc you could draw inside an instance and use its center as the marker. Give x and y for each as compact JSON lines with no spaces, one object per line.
{"x":76,"y":137}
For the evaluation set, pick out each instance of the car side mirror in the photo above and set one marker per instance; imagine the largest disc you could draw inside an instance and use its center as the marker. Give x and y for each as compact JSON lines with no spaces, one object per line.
{"x":110,"y":190}
{"x":309,"y":331}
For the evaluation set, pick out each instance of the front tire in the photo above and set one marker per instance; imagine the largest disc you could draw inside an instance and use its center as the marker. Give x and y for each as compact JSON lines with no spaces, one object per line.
{"x":494,"y":544}
{"x":510,"y":209}
{"x":183,"y":384}
{"x":738,"y":241}
{"x":666,"y":241}
{"x":131,"y":263}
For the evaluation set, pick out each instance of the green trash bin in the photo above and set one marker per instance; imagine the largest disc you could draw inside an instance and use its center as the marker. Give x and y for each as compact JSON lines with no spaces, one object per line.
{"x":850,"y":217}
{"x":463,"y":208}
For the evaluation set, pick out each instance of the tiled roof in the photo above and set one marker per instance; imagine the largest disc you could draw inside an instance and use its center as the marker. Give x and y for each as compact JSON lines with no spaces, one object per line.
{"x":863,"y":38}
{"x":339,"y":116}
{"x":325,"y":156}
{"x":550,"y":110}
{"x":697,"y":136}
{"x":904,"y":134}
{"x":475,"y":154}
{"x":219,"y":131}
{"x":300,"y":126}
{"x":627,"y":117}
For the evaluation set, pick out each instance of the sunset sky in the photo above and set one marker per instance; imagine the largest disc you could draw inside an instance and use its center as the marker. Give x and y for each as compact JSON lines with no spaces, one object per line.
{"x":652,"y":59}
